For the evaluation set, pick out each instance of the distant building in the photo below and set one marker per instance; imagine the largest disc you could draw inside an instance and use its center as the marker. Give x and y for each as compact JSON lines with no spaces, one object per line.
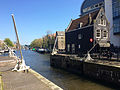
{"x":112,"y":11}
{"x":83,"y":33}
{"x":60,"y":40}
{"x":116,"y":16}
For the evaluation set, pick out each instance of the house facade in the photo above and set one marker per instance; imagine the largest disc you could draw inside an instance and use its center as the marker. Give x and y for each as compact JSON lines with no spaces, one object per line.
{"x":112,"y":8}
{"x":60,"y":40}
{"x":83,"y":33}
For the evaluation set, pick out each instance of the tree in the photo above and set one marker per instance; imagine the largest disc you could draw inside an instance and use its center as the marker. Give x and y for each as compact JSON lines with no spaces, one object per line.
{"x":36,"y":43}
{"x":9,"y":42}
{"x":46,"y":41}
{"x":1,"y":45}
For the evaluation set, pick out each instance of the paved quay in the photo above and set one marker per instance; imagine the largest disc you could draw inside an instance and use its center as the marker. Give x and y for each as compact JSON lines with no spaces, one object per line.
{"x":23,"y":80}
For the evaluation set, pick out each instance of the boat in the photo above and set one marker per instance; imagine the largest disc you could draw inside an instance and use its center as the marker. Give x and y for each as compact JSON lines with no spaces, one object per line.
{"x":40,"y":50}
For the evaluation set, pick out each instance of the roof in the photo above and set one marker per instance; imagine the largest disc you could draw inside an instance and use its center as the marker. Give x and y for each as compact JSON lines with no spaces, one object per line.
{"x":60,"y":33}
{"x":75,"y":24}
{"x":54,"y":34}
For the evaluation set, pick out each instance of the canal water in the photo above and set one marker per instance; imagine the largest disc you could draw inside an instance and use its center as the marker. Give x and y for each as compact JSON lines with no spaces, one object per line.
{"x":41,"y":64}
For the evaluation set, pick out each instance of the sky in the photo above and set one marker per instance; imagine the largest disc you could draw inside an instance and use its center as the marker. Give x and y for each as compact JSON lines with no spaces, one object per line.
{"x":35,"y":17}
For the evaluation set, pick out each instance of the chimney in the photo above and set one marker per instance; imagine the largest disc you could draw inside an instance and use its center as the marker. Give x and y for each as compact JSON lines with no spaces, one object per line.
{"x":81,"y":24}
{"x":90,"y":19}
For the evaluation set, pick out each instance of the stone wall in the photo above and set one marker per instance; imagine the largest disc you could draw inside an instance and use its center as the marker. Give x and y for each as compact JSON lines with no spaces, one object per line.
{"x":101,"y":72}
{"x":67,"y":63}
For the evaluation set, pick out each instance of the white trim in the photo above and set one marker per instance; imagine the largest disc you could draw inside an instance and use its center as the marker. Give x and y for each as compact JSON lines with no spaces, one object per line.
{"x":104,"y":23}
{"x":98,"y":32}
{"x":106,"y":34}
{"x":68,"y":47}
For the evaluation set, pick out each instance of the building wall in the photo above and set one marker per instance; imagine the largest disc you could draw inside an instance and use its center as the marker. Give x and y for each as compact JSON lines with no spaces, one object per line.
{"x":114,"y":39}
{"x":102,"y":29}
{"x":106,"y":73}
{"x":116,"y":15}
{"x":91,"y":5}
{"x":61,"y":42}
{"x":81,"y":45}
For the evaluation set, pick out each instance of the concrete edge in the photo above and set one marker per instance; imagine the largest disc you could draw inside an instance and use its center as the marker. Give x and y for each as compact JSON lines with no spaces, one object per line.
{"x":46,"y":81}
{"x":1,"y":82}
{"x":7,"y":61}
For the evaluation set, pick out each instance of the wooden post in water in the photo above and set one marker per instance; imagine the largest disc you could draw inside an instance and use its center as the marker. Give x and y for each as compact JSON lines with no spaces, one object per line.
{"x":17,"y":36}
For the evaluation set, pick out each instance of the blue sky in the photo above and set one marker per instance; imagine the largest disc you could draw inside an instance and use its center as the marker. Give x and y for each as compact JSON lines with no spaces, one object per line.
{"x":35,"y":17}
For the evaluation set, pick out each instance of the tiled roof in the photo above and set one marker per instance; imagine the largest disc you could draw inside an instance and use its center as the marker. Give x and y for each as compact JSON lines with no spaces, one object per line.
{"x":83,"y":19}
{"x":60,"y":33}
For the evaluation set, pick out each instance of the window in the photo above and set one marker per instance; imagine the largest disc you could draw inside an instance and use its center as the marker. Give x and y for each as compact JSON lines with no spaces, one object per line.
{"x":79,"y":36}
{"x":61,"y":37}
{"x":116,"y":8}
{"x":98,"y":33}
{"x":96,"y":5}
{"x":73,"y":48}
{"x":62,"y":41}
{"x":79,"y":46}
{"x":105,"y":34}
{"x":102,"y":22}
{"x":116,"y":25}
{"x":100,"y":4}
{"x":68,"y":47}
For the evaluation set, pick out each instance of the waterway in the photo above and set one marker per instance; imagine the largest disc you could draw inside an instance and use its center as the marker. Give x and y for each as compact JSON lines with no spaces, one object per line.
{"x":41,"y":64}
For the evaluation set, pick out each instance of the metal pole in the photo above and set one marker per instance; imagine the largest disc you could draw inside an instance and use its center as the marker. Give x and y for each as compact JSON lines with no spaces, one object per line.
{"x":55,"y":44}
{"x":17,"y":36}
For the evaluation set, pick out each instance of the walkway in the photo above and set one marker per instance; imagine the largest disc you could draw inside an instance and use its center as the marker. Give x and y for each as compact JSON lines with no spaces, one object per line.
{"x":24,"y":81}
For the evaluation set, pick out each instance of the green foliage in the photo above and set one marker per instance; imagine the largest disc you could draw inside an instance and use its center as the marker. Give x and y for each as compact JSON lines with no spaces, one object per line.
{"x":44,"y":42}
{"x":9,"y":42}
{"x":1,"y":45}
{"x":36,"y":43}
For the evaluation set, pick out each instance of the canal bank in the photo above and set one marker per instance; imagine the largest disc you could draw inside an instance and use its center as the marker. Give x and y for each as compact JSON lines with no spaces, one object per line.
{"x":102,"y":70}
{"x":23,"y":80}
{"x":66,"y":80}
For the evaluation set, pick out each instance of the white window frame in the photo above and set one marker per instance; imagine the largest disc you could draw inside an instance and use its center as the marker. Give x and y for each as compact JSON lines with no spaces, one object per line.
{"x":68,"y":47}
{"x":79,"y":46}
{"x":106,"y":34}
{"x":97,"y":32}
{"x":79,"y":36}
{"x":73,"y":48}
{"x":102,"y":24}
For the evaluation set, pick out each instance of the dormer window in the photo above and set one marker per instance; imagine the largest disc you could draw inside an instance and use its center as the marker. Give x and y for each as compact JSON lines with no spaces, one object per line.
{"x":81,"y":24}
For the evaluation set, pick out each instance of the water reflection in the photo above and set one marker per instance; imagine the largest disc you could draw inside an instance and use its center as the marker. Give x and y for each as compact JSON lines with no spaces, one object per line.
{"x":66,"y":80}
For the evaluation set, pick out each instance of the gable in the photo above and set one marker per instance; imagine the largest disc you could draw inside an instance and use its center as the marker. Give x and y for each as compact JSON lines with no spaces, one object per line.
{"x":85,"y":20}
{"x":101,"y":16}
